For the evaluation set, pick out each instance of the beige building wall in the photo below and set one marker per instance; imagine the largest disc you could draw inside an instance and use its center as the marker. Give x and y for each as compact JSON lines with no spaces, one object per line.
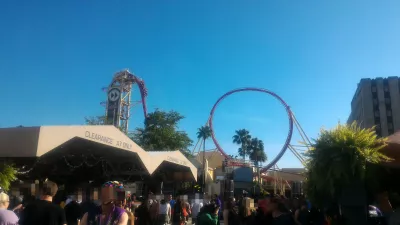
{"x":214,"y":158}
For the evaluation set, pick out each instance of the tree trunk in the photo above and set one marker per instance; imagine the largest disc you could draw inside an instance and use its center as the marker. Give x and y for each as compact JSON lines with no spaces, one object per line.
{"x":244,"y":153}
{"x":204,"y":165}
{"x":258,"y":173}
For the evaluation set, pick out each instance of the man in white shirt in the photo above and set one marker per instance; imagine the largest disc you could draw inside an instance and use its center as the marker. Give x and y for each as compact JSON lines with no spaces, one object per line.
{"x":196,"y":207}
{"x":164,"y":212}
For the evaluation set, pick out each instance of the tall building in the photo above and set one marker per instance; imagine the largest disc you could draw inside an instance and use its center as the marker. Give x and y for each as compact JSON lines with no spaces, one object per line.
{"x":377,"y":103}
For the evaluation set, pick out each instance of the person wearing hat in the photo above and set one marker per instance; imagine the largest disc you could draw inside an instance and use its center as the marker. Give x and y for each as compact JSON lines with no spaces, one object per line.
{"x":108,"y":213}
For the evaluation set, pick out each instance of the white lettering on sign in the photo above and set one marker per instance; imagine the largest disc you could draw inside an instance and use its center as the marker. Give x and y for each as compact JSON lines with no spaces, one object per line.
{"x":177,"y":161}
{"x":107,"y":140}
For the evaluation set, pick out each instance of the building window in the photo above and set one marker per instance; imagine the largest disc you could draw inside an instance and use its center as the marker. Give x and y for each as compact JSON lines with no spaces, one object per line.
{"x":387,"y":101}
{"x":373,"y":89}
{"x":375,"y":100}
{"x":389,"y":113}
{"x":377,"y":114}
{"x":390,"y":125}
{"x":398,"y":84}
{"x":378,"y":131}
{"x":377,"y":120}
{"x":386,"y":94}
{"x":386,"y":88}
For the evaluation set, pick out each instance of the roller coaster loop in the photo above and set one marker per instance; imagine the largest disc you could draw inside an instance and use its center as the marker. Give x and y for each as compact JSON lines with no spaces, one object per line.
{"x":288,"y":111}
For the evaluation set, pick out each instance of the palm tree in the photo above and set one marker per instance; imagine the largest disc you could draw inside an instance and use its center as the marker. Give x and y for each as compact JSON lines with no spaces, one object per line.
{"x":337,"y":163}
{"x":257,"y":154}
{"x":233,"y":156}
{"x":242,"y":137}
{"x":204,"y":133}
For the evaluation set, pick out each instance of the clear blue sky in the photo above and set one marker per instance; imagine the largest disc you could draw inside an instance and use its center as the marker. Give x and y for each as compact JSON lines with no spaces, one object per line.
{"x":55,"y":56}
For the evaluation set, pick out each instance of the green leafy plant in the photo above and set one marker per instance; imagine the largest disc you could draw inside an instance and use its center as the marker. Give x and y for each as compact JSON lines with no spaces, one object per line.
{"x":161,"y":132}
{"x":338,"y":157}
{"x":8,"y":174}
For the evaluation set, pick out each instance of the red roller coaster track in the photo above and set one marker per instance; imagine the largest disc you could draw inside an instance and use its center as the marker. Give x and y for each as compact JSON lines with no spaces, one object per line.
{"x":288,"y":111}
{"x":143,"y":92}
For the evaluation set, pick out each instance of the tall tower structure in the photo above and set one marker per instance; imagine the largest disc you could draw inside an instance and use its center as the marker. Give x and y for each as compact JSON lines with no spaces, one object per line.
{"x":119,"y":103}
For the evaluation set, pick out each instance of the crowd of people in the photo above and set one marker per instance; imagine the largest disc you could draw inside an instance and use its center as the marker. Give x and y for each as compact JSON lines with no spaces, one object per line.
{"x":114,"y":207}
{"x":117,"y":207}
{"x":275,"y":211}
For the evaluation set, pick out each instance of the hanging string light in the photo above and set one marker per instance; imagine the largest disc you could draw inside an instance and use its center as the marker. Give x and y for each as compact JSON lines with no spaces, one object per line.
{"x":70,"y":165}
{"x":29,"y":170}
{"x":94,"y":164}
{"x":104,"y":167}
{"x":84,"y":161}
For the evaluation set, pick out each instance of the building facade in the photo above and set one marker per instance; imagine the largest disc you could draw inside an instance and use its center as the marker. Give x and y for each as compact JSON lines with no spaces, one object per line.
{"x":377,"y":103}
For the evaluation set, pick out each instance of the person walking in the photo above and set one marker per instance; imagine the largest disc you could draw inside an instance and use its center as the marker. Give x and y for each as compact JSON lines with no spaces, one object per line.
{"x":280,"y":214}
{"x":43,"y":211}
{"x":179,"y":215}
{"x":196,"y":207}
{"x":108,"y":212}
{"x":210,"y":215}
{"x":231,"y":216}
{"x":302,"y":214}
{"x":164,"y":213}
{"x":73,"y":211}
{"x":142,"y":213}
{"x":153,"y":209}
{"x":6,"y":216}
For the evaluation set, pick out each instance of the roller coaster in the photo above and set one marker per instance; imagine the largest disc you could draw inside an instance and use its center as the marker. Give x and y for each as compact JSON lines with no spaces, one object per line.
{"x":292,"y":123}
{"x":124,"y":81}
{"x":120,"y":88}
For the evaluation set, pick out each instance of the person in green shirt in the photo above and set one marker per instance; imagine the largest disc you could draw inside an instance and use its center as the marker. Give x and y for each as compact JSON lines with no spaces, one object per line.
{"x":209,"y":216}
